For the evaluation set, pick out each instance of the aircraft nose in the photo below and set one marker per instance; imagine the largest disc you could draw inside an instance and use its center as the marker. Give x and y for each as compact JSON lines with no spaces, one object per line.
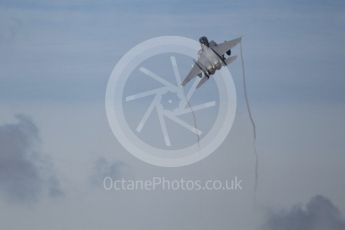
{"x":204,"y":40}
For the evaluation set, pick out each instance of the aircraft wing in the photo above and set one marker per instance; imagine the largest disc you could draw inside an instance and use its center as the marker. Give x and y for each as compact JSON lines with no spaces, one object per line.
{"x":195,"y":71}
{"x":225,"y":46}
{"x":202,"y":81}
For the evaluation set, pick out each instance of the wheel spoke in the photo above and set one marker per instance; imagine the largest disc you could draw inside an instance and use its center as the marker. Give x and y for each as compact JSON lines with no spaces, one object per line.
{"x":145,"y":94}
{"x":195,"y":108}
{"x":190,"y":93}
{"x":182,"y":123}
{"x":147,"y":113}
{"x":154,"y":76}
{"x":163,"y":126}
{"x":176,"y":71}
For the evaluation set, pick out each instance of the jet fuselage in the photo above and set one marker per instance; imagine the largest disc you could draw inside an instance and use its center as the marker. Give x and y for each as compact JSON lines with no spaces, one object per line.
{"x":211,"y":62}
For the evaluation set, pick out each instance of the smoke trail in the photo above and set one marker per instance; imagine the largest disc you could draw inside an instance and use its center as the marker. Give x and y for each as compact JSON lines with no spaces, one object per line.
{"x":193,"y":114}
{"x":252,"y":122}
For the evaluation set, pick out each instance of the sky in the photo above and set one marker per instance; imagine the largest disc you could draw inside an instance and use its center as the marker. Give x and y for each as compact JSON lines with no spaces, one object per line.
{"x":56,"y":145}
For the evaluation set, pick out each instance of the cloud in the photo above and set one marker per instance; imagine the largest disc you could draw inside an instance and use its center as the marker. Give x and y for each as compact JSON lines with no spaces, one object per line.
{"x":319,"y":214}
{"x":25,"y":173}
{"x":105,"y":168}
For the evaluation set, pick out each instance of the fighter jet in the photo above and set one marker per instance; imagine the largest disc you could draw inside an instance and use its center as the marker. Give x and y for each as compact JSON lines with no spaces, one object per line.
{"x":211,"y":57}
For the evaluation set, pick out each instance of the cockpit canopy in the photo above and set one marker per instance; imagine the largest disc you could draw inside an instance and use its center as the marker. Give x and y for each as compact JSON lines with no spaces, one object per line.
{"x":203,"y":40}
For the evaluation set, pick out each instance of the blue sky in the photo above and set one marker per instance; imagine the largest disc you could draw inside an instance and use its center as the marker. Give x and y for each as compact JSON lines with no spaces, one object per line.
{"x":293,"y":51}
{"x":55,"y":61}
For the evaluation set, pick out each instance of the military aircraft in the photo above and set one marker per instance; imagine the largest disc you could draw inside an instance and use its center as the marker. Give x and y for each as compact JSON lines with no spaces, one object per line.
{"x":211,"y":57}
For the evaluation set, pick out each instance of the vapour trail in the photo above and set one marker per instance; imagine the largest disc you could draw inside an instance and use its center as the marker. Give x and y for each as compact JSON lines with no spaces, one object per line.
{"x":187,"y":98}
{"x":253,"y":124}
{"x":193,"y":114}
